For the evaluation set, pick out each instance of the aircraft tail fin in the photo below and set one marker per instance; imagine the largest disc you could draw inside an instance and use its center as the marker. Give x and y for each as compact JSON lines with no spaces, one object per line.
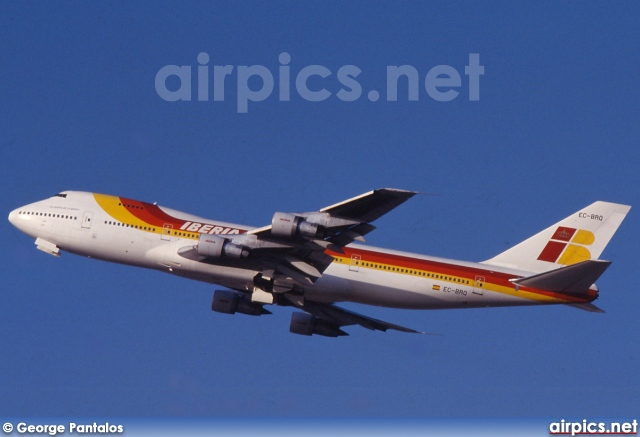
{"x":580,"y":237}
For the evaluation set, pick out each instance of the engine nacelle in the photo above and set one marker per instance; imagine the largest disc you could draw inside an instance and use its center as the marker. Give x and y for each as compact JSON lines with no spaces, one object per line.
{"x":306,"y":324}
{"x":288,"y":225}
{"x":215,"y":246}
{"x":230,"y":302}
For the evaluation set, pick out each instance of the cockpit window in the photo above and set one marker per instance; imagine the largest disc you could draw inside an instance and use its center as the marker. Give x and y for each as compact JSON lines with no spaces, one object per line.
{"x":60,"y":195}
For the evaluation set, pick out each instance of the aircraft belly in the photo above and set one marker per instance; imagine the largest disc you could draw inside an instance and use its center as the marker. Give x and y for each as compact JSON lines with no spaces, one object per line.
{"x":421,"y":293}
{"x":397,"y":294}
{"x":374,"y":287}
{"x":109,"y":247}
{"x":100,"y":241}
{"x":165,"y":257}
{"x":329,"y":288}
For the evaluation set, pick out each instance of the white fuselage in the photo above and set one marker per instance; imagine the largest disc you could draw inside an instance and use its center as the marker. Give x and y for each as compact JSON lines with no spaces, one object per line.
{"x":145,"y":235}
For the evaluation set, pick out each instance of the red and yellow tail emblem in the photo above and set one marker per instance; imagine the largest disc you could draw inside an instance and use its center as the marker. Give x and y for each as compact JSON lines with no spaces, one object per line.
{"x":567,"y":246}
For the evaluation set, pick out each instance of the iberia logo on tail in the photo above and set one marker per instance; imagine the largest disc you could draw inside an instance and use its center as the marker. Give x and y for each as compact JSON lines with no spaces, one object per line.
{"x":567,"y":246}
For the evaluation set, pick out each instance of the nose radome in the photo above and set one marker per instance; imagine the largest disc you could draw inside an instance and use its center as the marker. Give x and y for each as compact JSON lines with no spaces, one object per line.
{"x":12,"y":216}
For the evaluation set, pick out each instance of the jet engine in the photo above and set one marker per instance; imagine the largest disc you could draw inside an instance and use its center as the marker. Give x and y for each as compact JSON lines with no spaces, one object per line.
{"x":290,"y":226}
{"x":216,"y":246}
{"x":306,"y":324}
{"x":230,"y":302}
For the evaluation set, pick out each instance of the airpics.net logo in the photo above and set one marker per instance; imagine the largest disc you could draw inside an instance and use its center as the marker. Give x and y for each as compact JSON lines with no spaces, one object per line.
{"x":312,"y":83}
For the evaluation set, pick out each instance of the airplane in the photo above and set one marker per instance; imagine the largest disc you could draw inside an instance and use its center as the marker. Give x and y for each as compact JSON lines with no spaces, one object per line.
{"x":312,"y":260}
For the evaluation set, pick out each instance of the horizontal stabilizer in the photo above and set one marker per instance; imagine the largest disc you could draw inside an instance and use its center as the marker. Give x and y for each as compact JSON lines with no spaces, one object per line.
{"x":573,"y":279}
{"x":585,"y":306}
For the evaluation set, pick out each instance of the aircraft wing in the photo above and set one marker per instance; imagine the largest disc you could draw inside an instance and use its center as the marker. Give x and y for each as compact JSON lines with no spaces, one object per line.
{"x":291,"y":250}
{"x":337,"y":317}
{"x":370,"y":206}
{"x":358,"y":211}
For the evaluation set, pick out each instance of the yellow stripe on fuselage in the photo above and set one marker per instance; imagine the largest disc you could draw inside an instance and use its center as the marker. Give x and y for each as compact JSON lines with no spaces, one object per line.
{"x":452,"y":279}
{"x":391,"y":268}
{"x":113,"y":206}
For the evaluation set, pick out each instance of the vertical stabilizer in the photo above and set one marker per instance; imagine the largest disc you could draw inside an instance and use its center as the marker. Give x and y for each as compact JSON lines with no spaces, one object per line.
{"x":580,"y":237}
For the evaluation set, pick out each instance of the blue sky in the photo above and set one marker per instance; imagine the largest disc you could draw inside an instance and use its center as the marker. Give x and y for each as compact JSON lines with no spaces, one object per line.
{"x":555,"y":128}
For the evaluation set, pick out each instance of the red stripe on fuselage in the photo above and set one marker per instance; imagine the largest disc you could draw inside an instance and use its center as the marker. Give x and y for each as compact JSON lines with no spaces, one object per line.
{"x":150,"y":213}
{"x":441,"y":268}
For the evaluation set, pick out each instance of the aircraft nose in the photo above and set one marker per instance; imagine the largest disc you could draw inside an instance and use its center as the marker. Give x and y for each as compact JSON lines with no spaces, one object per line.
{"x":13,"y":216}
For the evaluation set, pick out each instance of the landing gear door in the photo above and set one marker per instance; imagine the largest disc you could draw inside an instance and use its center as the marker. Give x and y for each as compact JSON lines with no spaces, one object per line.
{"x":86,"y":220}
{"x":478,"y":285}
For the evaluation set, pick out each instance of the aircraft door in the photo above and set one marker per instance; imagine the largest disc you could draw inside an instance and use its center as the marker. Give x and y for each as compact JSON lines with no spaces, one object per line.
{"x":354,"y":266}
{"x":86,"y":220}
{"x":478,"y":285}
{"x":166,"y":231}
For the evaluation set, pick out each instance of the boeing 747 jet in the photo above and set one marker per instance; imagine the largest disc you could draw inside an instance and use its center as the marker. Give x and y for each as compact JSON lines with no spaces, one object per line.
{"x":310,"y":260}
